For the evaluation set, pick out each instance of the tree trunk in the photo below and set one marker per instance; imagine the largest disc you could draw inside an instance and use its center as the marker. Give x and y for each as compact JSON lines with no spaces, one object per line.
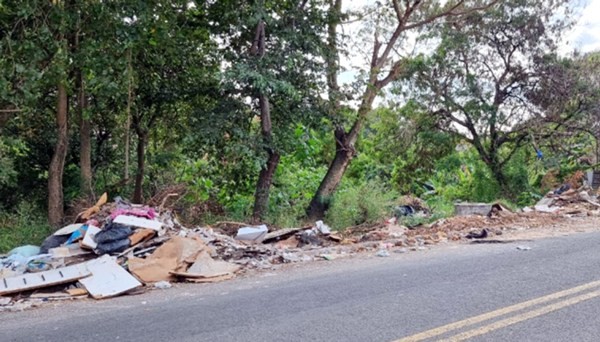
{"x":57,"y":164}
{"x":265,"y":178}
{"x":345,"y":151}
{"x":141,"y":160}
{"x":263,"y":187}
{"x":128,"y":123}
{"x":322,"y":198}
{"x":499,"y":176}
{"x":85,"y":152}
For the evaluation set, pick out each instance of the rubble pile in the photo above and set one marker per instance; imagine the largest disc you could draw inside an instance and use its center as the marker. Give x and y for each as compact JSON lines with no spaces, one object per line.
{"x":120,"y":248}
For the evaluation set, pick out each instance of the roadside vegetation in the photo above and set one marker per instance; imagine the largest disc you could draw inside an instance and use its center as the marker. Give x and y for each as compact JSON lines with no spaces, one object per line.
{"x":245,"y":111}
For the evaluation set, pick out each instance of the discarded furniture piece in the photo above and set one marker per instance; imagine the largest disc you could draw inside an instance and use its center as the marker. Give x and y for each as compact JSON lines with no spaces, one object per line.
{"x":464,"y":209}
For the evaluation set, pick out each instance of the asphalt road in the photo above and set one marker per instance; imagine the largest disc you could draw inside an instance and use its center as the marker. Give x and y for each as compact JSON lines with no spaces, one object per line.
{"x":548,"y":293}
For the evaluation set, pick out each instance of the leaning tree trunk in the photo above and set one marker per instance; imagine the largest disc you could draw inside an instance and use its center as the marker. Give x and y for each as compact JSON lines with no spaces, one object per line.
{"x":141,"y":161}
{"x":345,"y":151}
{"x":57,"y":164}
{"x":322,"y":198}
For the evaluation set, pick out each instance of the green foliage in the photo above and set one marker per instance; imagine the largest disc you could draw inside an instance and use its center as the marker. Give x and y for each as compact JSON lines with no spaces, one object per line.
{"x":292,"y":191}
{"x":361,"y":203}
{"x":25,"y":226}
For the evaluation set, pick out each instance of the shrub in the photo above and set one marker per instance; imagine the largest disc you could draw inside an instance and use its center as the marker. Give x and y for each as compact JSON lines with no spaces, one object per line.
{"x":358,"y":204}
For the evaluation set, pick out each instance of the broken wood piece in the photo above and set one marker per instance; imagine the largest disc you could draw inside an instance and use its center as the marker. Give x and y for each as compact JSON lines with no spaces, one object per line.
{"x":138,"y":222}
{"x":67,"y":251}
{"x":32,"y":281}
{"x":210,"y":280}
{"x":86,"y":214}
{"x":53,"y":295}
{"x":335,"y":237}
{"x":291,"y":242}
{"x":77,"y":292}
{"x":141,"y":235}
{"x":108,"y":278}
{"x":281,"y":234}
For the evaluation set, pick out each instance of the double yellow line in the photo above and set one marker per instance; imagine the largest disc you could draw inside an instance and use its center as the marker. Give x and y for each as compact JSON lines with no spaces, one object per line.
{"x":507,"y":310}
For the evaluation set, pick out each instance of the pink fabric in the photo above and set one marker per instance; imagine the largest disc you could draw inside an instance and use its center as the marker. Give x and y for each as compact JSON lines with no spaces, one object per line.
{"x":148,"y":213}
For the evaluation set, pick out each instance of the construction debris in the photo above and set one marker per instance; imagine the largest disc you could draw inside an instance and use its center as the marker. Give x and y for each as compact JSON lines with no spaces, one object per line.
{"x":116,"y":248}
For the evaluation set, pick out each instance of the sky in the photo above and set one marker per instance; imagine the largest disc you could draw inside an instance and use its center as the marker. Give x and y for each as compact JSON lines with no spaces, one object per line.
{"x":585,"y":36}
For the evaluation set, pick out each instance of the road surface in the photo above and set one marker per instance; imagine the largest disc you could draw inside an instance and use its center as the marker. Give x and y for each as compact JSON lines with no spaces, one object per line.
{"x":454,"y":292}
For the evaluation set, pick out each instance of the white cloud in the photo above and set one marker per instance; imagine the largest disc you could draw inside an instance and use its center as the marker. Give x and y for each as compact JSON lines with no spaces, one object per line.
{"x":585,"y":36}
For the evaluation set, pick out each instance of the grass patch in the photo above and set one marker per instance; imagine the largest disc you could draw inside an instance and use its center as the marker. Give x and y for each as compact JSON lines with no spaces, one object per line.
{"x":25,"y":226}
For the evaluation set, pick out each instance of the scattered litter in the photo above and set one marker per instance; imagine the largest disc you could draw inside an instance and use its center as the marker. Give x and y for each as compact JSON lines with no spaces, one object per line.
{"x":256,"y":234}
{"x":151,"y":247}
{"x":25,"y":251}
{"x":478,"y":235}
{"x":383,"y":253}
{"x":322,"y":228}
{"x":163,"y":285}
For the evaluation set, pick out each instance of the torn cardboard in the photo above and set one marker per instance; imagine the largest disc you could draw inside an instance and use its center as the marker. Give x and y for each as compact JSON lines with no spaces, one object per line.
{"x":207,"y":267}
{"x":173,"y":256}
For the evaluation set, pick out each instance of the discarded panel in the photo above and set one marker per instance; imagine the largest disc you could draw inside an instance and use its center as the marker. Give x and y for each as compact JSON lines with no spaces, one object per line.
{"x":108,"y":278}
{"x":32,"y":281}
{"x":137,"y":222}
{"x":88,"y":240}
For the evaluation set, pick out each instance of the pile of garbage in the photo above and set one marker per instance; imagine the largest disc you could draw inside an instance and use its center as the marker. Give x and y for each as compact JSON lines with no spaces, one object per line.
{"x":121,"y":248}
{"x":118,"y":248}
{"x":568,"y":201}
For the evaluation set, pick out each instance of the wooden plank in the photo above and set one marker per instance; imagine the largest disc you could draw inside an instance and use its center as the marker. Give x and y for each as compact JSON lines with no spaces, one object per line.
{"x":138,"y":222}
{"x":108,"y":278}
{"x":31,"y":281}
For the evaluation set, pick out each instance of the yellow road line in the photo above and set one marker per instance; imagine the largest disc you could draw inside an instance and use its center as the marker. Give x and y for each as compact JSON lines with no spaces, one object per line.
{"x":496,"y":313}
{"x":522,"y":317}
